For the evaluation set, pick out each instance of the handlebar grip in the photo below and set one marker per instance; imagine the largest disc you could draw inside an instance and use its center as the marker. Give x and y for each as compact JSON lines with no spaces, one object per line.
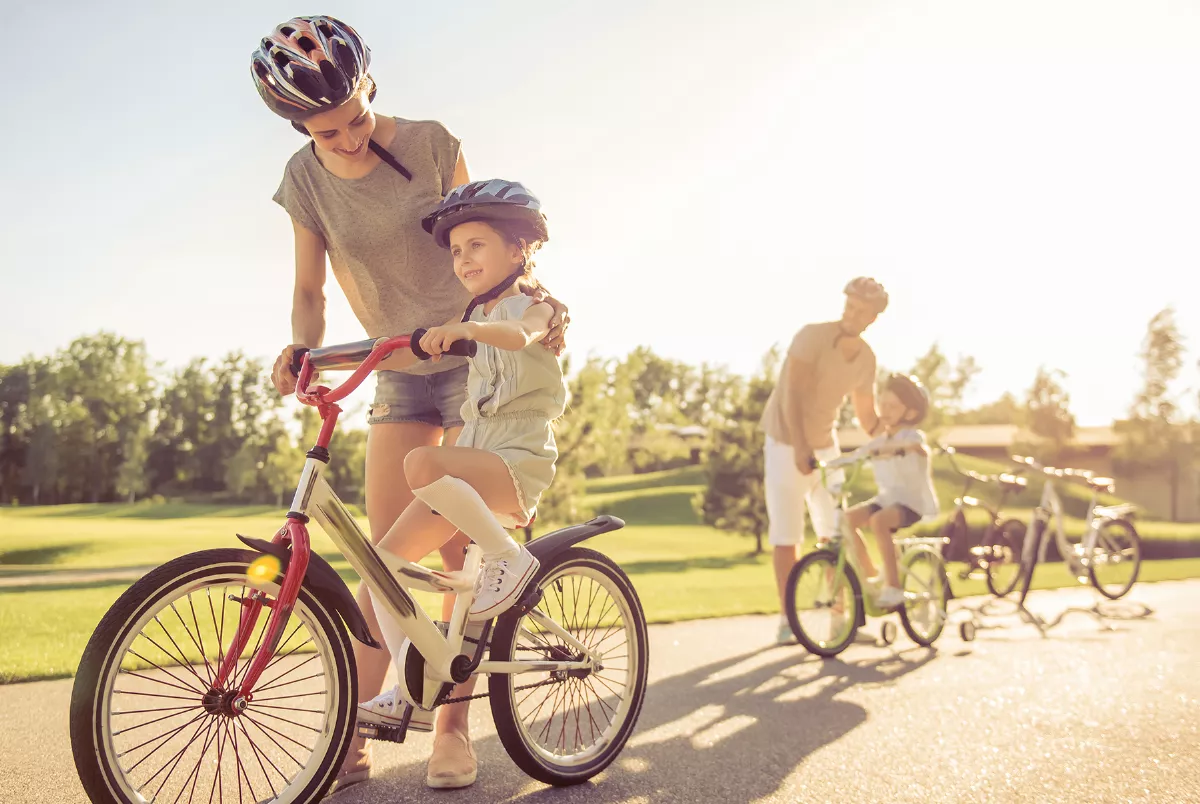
{"x":458,"y":348}
{"x":297,"y":360}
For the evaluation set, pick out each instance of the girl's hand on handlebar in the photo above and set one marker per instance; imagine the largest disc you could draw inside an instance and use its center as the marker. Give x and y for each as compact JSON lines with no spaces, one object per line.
{"x":439,"y":339}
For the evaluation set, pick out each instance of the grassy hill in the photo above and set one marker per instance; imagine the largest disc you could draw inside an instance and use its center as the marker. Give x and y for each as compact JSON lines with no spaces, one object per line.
{"x":681,"y":569}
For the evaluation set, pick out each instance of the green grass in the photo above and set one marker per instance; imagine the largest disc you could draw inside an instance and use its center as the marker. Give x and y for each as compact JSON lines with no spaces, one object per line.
{"x":681,"y":570}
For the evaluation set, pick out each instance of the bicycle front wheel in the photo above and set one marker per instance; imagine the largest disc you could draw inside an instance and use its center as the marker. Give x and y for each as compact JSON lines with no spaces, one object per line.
{"x":1002,"y":552}
{"x":1115,"y":559}
{"x":149,"y":722}
{"x":562,"y":727}
{"x":823,"y":605}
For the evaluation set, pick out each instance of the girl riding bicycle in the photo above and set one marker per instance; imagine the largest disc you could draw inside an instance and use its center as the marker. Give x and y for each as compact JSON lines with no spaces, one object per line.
{"x":504,"y":458}
{"x":904,"y":479}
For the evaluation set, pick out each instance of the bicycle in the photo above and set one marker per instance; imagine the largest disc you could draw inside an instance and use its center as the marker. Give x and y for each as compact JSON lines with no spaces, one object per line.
{"x":232,"y":708}
{"x":997,"y":555}
{"x":832,"y":599}
{"x":1108,"y":556}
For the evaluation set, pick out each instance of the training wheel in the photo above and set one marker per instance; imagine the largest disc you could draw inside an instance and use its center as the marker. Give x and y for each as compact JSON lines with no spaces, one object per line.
{"x":966,"y":630}
{"x":887,"y":634}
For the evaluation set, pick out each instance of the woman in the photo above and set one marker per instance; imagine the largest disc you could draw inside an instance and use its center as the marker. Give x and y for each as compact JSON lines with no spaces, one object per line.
{"x":356,"y":193}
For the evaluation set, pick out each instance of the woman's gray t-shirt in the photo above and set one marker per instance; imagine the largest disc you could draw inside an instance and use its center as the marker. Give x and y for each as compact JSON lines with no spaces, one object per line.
{"x":394,"y":275}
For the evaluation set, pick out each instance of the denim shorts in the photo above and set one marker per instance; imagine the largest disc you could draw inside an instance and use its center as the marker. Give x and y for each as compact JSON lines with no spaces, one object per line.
{"x":435,"y":399}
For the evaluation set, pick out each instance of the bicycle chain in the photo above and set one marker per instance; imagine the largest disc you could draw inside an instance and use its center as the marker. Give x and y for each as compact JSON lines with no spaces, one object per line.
{"x":515,"y":689}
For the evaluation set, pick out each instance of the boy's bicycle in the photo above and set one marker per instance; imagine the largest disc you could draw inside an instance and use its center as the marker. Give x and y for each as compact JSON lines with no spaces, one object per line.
{"x":824,"y":598}
{"x":228,"y":675}
{"x":997,"y":555}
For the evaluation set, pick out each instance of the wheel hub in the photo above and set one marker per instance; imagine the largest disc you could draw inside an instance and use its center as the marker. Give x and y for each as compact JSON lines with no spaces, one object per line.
{"x":227,"y":703}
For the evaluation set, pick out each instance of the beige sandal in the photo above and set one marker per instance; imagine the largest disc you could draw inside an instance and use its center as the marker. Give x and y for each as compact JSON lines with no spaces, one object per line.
{"x":354,"y":769}
{"x":453,"y":762}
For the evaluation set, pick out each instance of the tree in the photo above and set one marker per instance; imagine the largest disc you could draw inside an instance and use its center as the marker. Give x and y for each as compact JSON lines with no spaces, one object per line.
{"x":1005,"y":410}
{"x":733,"y":499}
{"x":131,"y":477}
{"x":945,"y":383}
{"x":1155,"y":437}
{"x":1047,"y":409}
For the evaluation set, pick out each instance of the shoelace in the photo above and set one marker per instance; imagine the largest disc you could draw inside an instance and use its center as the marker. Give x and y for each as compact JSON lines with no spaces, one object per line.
{"x":493,"y":573}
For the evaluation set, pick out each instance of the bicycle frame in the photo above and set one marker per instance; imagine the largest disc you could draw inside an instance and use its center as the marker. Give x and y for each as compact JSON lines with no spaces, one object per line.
{"x":316,"y":499}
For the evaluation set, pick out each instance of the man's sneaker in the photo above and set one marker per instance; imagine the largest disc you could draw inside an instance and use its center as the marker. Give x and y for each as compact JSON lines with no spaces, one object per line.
{"x":501,"y":582}
{"x":784,"y":635}
{"x":889,"y":598}
{"x":387,"y":709}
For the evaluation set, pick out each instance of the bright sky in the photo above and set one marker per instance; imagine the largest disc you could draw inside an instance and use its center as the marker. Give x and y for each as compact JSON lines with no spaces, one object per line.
{"x":1021,"y":175}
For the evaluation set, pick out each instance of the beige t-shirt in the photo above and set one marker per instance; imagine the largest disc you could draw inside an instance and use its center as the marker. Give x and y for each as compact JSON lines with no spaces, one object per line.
{"x":835,"y":377}
{"x":395,"y":277}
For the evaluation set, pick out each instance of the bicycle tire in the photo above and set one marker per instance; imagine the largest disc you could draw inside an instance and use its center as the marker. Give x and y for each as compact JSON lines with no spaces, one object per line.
{"x":93,"y":738}
{"x":515,"y":731}
{"x":851,"y":613}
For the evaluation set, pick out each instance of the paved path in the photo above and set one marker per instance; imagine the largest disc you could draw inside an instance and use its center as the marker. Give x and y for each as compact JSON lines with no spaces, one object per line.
{"x":1084,"y":715}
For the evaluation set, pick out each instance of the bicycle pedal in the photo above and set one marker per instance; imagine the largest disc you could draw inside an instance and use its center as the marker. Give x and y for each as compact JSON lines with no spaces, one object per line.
{"x":389,"y":734}
{"x":528,"y":602}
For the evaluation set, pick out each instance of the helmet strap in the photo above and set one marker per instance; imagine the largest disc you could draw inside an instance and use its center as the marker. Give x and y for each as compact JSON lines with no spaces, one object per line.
{"x":487,"y":296}
{"x":392,"y":161}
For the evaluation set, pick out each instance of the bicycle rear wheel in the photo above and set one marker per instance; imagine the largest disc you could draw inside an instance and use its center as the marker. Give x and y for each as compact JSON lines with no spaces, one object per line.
{"x":824,"y":606}
{"x":1116,"y":558}
{"x":923,"y":614}
{"x":564,"y":727}
{"x":148,"y":722}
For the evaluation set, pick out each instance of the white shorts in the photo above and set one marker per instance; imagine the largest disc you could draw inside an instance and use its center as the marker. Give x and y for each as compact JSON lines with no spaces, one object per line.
{"x":785,"y":487}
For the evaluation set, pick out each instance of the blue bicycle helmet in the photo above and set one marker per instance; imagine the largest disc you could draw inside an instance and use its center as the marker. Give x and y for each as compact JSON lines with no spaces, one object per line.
{"x":491,"y":199}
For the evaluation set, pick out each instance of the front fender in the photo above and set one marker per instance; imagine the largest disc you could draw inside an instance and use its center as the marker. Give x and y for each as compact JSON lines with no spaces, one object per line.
{"x":325,"y":584}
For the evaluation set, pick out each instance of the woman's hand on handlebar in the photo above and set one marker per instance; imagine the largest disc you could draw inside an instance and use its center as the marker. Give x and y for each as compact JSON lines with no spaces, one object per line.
{"x":281,"y":375}
{"x":438,"y":340}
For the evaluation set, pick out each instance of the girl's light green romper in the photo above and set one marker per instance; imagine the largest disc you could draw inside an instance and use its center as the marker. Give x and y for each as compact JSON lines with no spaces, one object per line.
{"x":512,"y":397}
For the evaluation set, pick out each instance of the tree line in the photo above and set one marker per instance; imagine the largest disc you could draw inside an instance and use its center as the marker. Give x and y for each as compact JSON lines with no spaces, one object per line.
{"x":99,"y":421}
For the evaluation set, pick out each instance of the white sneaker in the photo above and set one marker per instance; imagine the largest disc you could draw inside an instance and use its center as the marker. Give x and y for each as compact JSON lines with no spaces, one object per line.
{"x":501,"y":582}
{"x":784,"y":635}
{"x":889,"y":597}
{"x":387,"y":709}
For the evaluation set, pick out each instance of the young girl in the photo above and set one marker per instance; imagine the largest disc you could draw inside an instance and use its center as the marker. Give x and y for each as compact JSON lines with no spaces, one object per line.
{"x":504,"y":458}
{"x":904,"y":479}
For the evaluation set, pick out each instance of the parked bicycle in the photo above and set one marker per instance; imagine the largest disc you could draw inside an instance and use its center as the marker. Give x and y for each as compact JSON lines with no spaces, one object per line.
{"x":1109,"y":554}
{"x":997,"y":554}
{"x":228,"y":674}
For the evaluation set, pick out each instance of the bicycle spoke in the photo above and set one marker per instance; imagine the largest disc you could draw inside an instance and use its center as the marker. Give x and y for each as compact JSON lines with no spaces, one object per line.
{"x":271,"y":684}
{"x":237,"y":757}
{"x":196,"y":643}
{"x":212,"y":672}
{"x":285,"y":697}
{"x":289,"y":709}
{"x":194,"y":776}
{"x":290,"y":683}
{"x":285,"y":720}
{"x":258,"y":755}
{"x":155,"y":694}
{"x":281,"y":734}
{"x":186,"y":686}
{"x":182,"y":656}
{"x":119,"y":732}
{"x":163,"y":740}
{"x":254,"y":723}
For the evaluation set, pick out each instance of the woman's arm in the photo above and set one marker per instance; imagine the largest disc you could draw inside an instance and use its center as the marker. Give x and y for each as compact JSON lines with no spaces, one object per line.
{"x":308,"y":296}
{"x":308,"y":304}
